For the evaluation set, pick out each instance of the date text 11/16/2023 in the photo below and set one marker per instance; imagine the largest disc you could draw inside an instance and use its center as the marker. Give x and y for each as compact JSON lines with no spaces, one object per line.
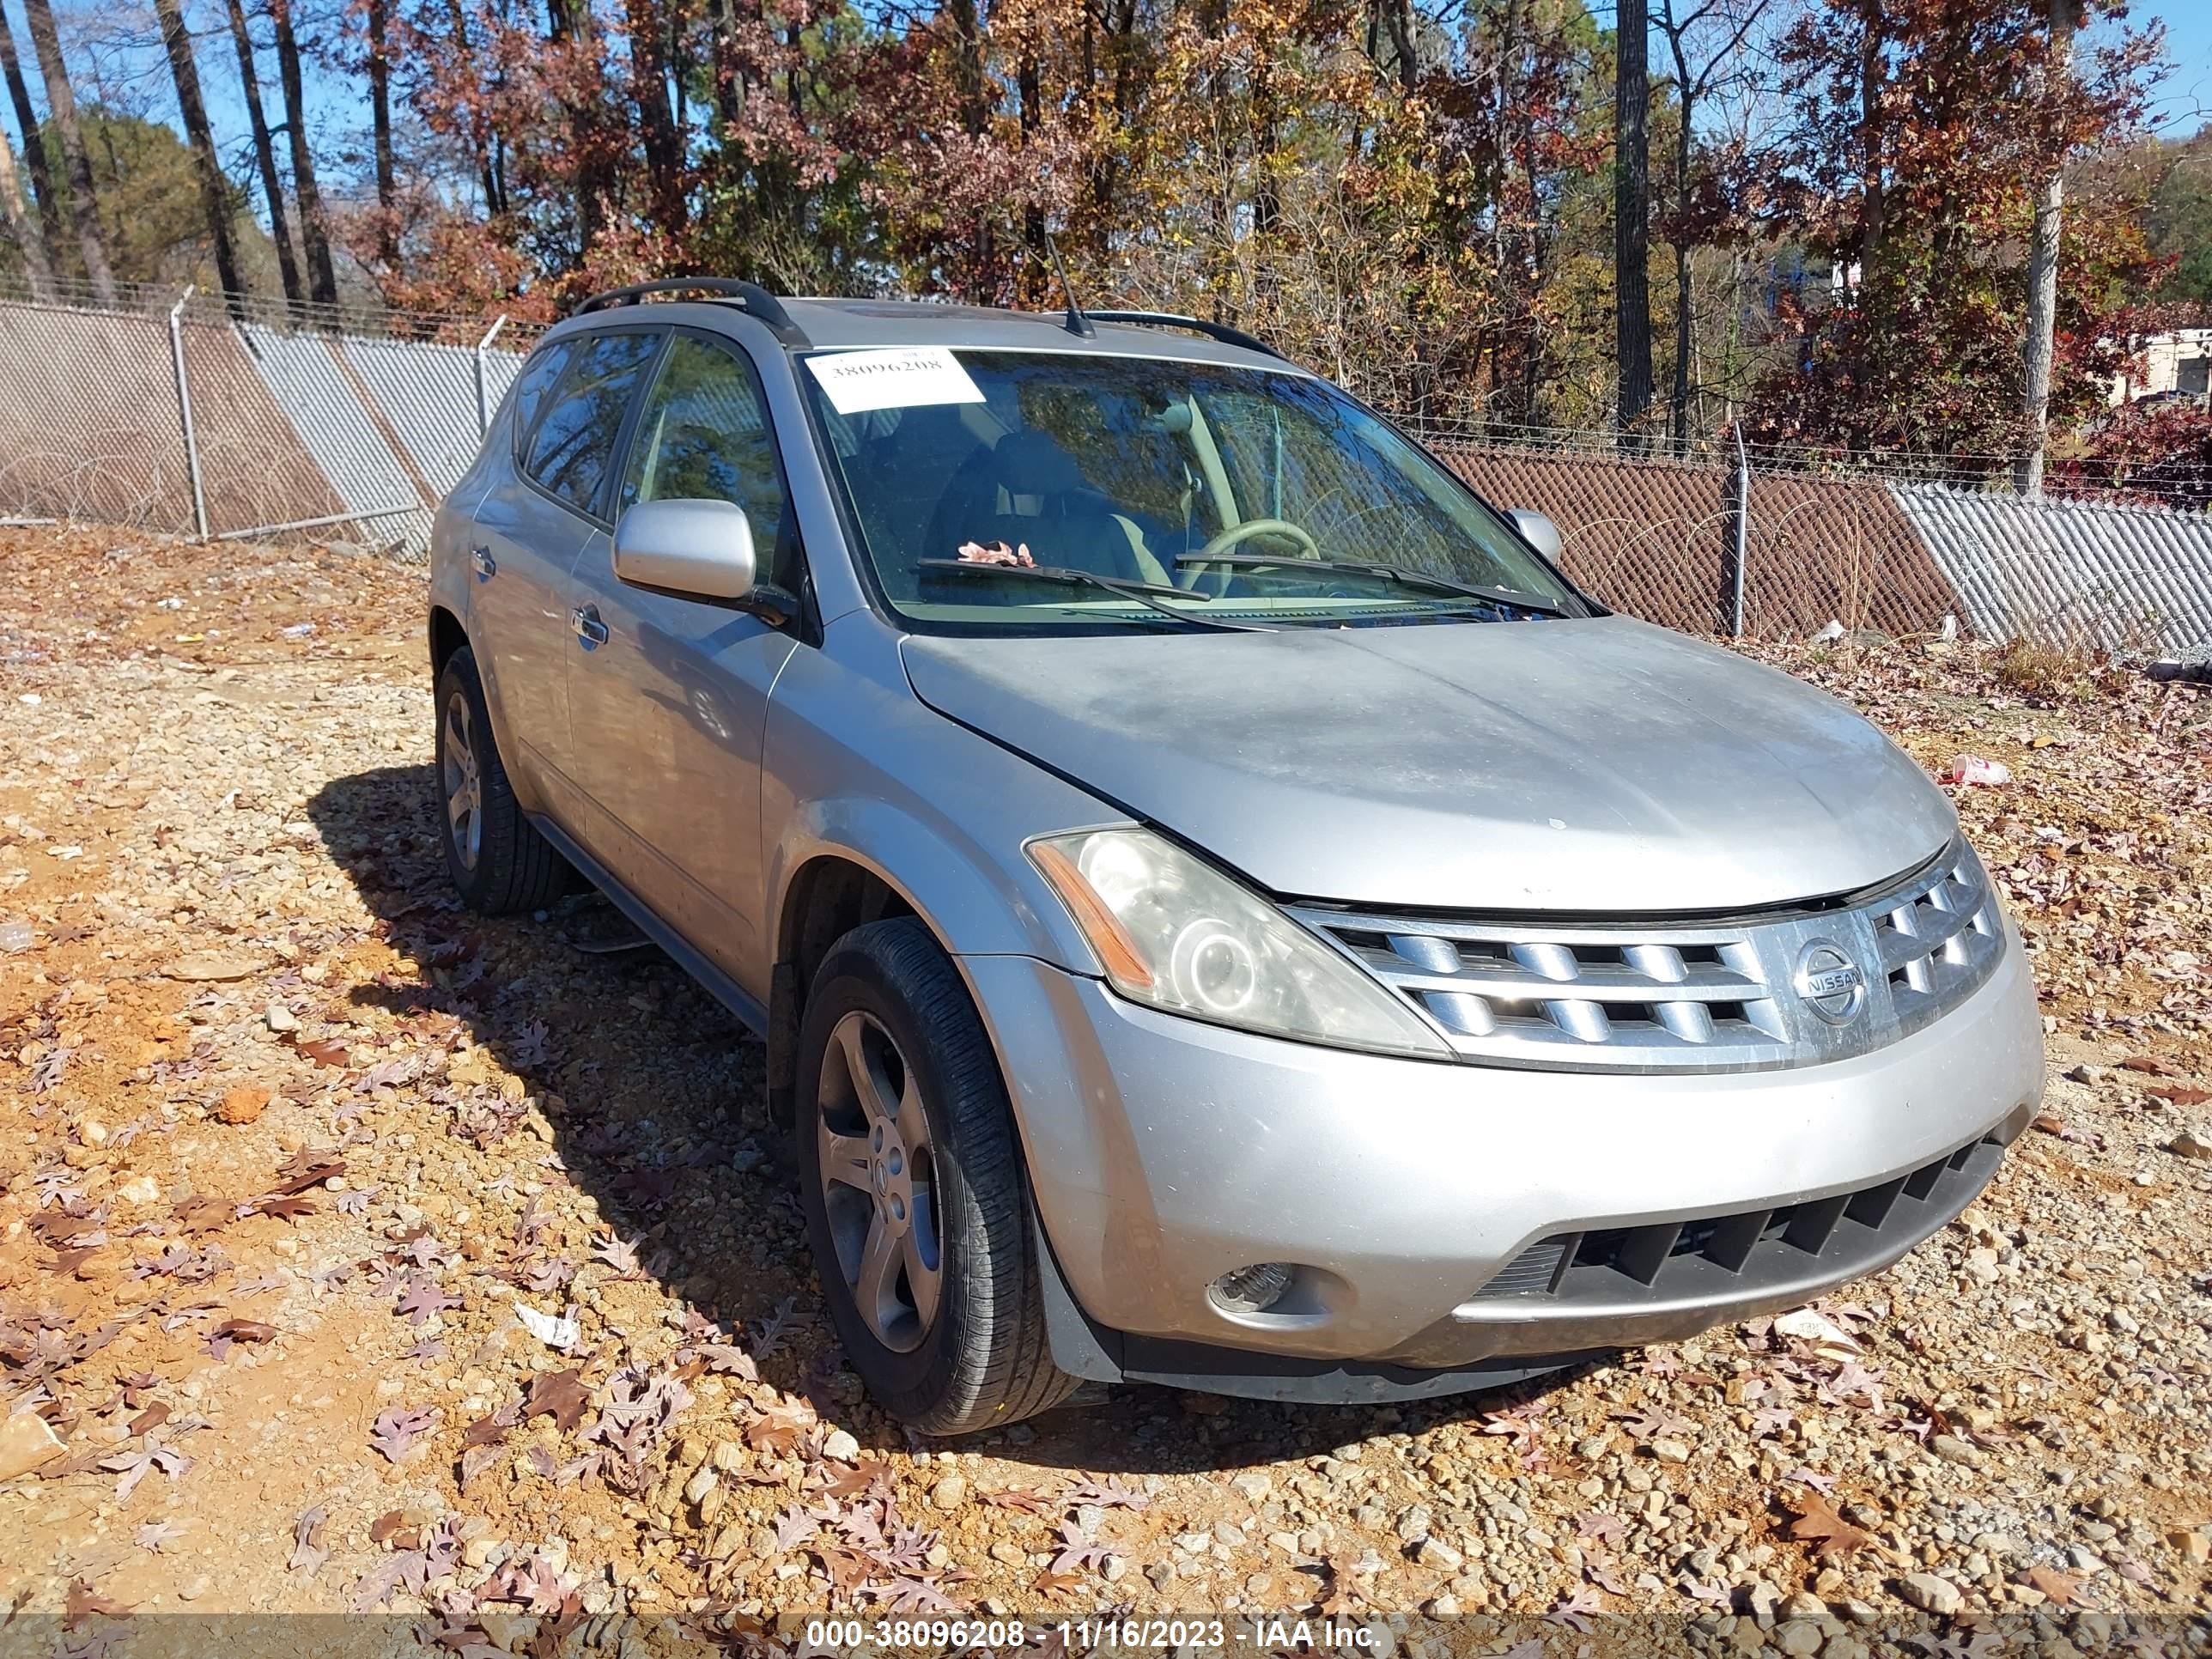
{"x":829,"y":1635}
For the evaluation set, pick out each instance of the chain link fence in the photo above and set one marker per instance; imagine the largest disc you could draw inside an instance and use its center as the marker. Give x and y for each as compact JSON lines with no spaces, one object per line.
{"x":216,"y":418}
{"x":195,"y":417}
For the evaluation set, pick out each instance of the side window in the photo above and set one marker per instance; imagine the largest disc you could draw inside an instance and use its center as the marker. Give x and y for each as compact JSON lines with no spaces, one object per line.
{"x":574,"y":442}
{"x":703,"y":434}
{"x":536,"y":380}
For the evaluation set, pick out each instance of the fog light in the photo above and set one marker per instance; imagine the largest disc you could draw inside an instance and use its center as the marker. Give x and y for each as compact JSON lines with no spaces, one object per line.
{"x":1252,"y":1290}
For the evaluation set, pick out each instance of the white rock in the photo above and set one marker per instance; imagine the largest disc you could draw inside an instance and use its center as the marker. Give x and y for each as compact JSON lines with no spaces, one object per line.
{"x":26,"y":1443}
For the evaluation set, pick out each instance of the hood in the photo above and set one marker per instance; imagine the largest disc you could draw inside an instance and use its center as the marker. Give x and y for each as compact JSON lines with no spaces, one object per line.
{"x":1600,"y":765}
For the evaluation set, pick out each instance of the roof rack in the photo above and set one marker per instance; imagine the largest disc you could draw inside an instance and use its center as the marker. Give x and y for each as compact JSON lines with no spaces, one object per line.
{"x":751,"y":296}
{"x":1221,"y":331}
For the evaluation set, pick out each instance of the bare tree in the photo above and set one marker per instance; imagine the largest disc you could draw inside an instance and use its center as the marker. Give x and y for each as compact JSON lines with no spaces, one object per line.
{"x":380,"y":117}
{"x":214,"y":188}
{"x":1732,"y":21}
{"x":1631,"y":213}
{"x":54,"y":225}
{"x":315,"y":238}
{"x":2043,"y":266}
{"x":19,"y":228}
{"x":61,"y":105}
{"x":264,"y":155}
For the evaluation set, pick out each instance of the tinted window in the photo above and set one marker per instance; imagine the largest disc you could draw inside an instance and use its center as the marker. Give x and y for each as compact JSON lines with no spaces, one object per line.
{"x":537,"y":379}
{"x":575,"y":443}
{"x":703,"y":434}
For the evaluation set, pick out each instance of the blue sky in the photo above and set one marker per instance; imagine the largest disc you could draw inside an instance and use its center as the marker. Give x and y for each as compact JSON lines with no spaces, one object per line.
{"x":2186,"y":97}
{"x":338,"y":105}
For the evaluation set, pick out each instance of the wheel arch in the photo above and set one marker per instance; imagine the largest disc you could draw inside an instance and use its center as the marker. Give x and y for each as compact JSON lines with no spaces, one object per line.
{"x":447,"y":636}
{"x":853,"y":862}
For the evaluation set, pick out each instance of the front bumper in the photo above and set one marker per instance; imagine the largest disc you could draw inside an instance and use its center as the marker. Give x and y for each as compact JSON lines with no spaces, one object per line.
{"x":1163,"y":1153}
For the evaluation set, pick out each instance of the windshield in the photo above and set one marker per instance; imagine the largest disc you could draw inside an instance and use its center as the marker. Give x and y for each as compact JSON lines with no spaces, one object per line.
{"x":1269,"y":497}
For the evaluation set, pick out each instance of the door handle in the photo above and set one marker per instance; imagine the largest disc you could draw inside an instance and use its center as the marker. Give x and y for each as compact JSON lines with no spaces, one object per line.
{"x":486,"y":566}
{"x":585,"y":621}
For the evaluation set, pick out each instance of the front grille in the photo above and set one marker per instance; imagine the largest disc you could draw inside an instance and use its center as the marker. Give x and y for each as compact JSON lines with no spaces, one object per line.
{"x":1730,"y":1254}
{"x":1651,"y":996}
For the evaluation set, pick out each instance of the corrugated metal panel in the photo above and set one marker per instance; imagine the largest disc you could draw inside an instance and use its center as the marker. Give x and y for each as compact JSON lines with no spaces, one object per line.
{"x":2070,"y":573}
{"x":310,"y":384}
{"x":427,"y":394}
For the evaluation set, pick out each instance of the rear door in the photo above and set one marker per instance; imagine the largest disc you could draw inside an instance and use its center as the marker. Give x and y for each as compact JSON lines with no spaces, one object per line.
{"x":531,"y":527}
{"x":668,"y":714}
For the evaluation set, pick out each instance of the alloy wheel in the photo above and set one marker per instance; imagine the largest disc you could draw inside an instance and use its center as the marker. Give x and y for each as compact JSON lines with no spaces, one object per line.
{"x":461,"y":777}
{"x":878,"y":1182}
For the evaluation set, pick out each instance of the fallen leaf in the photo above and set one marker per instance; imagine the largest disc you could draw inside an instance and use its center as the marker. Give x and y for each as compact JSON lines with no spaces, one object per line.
{"x":1028,"y":1499}
{"x":2179,"y":1094}
{"x":1817,"y":1522}
{"x":385,"y":1525}
{"x":2149,"y":1063}
{"x":83,"y":1601}
{"x":2059,"y":1586}
{"x":561,"y":1395}
{"x":324,"y":1051}
{"x":778,"y":1426}
{"x":308,"y":1551}
{"x":397,"y":1430}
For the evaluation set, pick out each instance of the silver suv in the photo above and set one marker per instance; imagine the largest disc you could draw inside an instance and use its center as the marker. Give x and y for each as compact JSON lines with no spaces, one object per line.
{"x":1223,"y":908}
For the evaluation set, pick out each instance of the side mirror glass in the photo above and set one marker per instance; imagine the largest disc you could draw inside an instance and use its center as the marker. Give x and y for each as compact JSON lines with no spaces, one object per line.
{"x":700,"y":549}
{"x":1537,"y":529}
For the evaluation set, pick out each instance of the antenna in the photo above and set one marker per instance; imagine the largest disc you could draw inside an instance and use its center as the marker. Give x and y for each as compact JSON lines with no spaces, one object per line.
{"x":1078,"y":324}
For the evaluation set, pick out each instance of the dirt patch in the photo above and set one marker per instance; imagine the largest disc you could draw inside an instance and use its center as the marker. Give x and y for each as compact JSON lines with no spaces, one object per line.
{"x":323,"y":1359}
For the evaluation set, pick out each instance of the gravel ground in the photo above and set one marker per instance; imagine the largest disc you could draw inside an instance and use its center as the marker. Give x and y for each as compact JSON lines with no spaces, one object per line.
{"x":357,"y":1252}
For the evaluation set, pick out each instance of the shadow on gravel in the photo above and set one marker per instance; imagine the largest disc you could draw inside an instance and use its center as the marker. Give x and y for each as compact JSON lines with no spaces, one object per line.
{"x":661,"y":1121}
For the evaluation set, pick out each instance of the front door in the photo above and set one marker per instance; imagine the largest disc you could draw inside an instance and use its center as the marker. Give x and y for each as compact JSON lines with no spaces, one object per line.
{"x":530,"y":529}
{"x":667,"y":714}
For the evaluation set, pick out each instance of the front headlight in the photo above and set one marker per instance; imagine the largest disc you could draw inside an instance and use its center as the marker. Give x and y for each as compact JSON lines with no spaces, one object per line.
{"x":1174,"y":932}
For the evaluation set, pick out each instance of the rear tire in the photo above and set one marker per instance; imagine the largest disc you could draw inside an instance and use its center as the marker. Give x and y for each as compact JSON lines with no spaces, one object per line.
{"x":499,"y":862}
{"x":916,"y":1199}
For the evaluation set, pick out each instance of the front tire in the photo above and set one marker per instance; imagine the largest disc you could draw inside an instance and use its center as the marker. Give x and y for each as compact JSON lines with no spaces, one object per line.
{"x":916,"y":1201}
{"x":498,"y":861}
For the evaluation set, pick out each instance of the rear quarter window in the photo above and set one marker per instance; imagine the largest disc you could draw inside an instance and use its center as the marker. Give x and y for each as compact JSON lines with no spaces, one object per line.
{"x":536,"y":380}
{"x":572,"y":447}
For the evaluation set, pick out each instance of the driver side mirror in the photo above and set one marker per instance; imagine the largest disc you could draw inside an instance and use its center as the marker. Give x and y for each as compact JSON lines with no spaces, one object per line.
{"x":695,"y":550}
{"x":1537,"y":529}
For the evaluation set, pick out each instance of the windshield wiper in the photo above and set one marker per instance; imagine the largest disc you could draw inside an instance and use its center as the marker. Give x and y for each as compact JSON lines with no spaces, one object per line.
{"x":1068,"y":576}
{"x":1395,"y":572}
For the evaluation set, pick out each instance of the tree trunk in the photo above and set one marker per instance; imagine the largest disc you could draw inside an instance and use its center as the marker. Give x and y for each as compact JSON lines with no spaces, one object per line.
{"x":968,"y":66}
{"x":664,"y":139}
{"x":1873,"y":76}
{"x":569,"y":23}
{"x":264,"y":155}
{"x":380,"y":119}
{"x":214,"y":188}
{"x":26,"y":233}
{"x":2043,"y":268}
{"x":53,"y":223}
{"x":1398,"y":22}
{"x":1631,"y":216}
{"x":61,"y":104}
{"x":314,"y":238}
{"x":487,"y":174}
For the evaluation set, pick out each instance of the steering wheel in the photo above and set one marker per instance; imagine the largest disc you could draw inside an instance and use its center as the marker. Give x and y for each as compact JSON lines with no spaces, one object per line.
{"x":1235,"y":535}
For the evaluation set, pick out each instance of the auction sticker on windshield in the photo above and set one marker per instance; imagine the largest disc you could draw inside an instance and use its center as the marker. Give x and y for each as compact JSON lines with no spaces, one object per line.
{"x":899,"y":378}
